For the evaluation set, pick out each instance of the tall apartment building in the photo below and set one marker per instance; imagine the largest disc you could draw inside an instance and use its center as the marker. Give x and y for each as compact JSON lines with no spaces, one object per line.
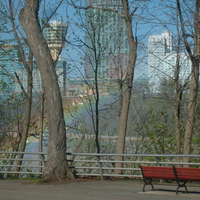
{"x":10,"y":62}
{"x":106,"y":39}
{"x":162,"y":59}
{"x":55,"y":34}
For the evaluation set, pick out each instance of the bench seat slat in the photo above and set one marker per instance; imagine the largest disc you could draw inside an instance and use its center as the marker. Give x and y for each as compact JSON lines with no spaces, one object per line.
{"x":159,"y":176}
{"x":186,"y":178}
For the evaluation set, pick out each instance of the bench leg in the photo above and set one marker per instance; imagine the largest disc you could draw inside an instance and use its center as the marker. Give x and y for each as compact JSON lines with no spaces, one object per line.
{"x":148,"y":182}
{"x":181,"y":185}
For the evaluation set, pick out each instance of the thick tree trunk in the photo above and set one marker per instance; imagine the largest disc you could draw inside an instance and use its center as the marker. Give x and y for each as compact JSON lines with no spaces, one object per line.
{"x":127,"y":88}
{"x":191,"y":108}
{"x":57,"y":167}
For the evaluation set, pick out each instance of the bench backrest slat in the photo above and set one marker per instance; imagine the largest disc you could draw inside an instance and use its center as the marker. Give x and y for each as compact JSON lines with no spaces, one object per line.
{"x":158,"y":172}
{"x":189,"y":174}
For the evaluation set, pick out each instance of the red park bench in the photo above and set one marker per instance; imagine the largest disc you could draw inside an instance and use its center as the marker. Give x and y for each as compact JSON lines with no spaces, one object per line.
{"x":179,"y":174}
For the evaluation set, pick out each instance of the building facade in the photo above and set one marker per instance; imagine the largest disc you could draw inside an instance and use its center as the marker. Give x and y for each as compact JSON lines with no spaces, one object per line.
{"x":10,"y":62}
{"x":55,"y":34}
{"x":162,"y":60}
{"x":106,"y":39}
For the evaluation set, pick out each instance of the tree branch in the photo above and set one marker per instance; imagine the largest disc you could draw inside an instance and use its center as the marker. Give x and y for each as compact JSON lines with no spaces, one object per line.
{"x":17,"y":79}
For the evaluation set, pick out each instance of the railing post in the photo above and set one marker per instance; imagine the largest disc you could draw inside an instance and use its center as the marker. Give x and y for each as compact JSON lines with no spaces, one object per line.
{"x":43,"y":160}
{"x":100,"y":167}
{"x":157,"y":161}
{"x":158,"y":164}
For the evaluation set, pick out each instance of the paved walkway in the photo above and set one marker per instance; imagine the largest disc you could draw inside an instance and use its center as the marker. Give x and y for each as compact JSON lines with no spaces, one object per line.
{"x":91,"y":190}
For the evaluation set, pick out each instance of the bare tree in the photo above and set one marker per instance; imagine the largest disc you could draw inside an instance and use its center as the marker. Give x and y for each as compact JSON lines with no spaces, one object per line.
{"x":28,"y":66}
{"x":179,"y":89}
{"x":127,"y":16}
{"x":132,"y":41}
{"x":195,"y":58}
{"x":57,"y":167}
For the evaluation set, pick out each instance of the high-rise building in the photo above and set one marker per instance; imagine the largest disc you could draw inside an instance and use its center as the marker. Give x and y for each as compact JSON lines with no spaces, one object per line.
{"x":106,"y":40}
{"x":10,"y":61}
{"x":162,"y":60}
{"x":55,"y":34}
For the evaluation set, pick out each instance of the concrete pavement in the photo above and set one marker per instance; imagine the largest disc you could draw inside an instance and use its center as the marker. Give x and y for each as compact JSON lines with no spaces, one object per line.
{"x":91,"y":190}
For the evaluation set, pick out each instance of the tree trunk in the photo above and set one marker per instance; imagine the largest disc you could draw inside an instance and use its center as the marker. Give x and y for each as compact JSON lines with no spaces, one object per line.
{"x":57,"y":167}
{"x":29,"y":68}
{"x":40,"y":142}
{"x":179,"y":93}
{"x":177,"y":121}
{"x":191,"y":111}
{"x":191,"y":108}
{"x":27,"y":116}
{"x":127,"y":88}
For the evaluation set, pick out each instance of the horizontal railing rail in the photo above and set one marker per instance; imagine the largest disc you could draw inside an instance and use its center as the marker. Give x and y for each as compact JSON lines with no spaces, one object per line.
{"x":92,"y":164}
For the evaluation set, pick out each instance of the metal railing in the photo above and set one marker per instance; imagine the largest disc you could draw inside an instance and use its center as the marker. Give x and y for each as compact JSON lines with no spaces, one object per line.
{"x":32,"y":163}
{"x":92,"y":164}
{"x":87,"y":164}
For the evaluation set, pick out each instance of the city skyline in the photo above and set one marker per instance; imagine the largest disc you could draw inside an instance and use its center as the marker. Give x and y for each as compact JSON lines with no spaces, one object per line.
{"x":11,"y":60}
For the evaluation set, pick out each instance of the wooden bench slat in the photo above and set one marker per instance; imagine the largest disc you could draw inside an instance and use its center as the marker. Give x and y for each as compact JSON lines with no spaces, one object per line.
{"x":157,"y":176}
{"x":189,"y":170}
{"x":189,"y":179}
{"x":158,"y":172}
{"x":156,"y":168}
